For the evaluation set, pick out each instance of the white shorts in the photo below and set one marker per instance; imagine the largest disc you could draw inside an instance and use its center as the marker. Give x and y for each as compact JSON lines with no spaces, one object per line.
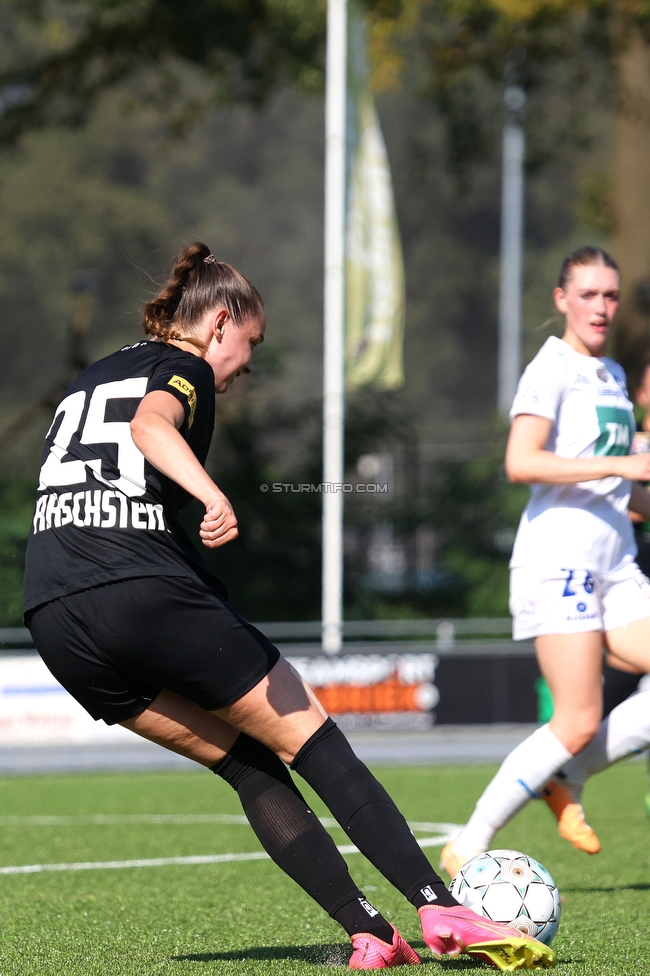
{"x":573,"y":601}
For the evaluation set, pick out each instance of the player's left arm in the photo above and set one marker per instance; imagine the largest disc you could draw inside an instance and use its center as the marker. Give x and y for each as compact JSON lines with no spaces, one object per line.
{"x":640,"y":501}
{"x":155,"y":431}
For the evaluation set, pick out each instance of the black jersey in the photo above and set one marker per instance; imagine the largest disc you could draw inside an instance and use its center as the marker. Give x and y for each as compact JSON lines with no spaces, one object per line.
{"x":103,"y":512}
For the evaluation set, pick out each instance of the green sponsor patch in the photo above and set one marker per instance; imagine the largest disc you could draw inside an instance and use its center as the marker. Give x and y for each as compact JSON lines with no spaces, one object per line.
{"x":616,"y":431}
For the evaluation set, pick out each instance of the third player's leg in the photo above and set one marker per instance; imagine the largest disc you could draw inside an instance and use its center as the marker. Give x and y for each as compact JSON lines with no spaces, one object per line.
{"x":632,"y":644}
{"x":572,"y":666}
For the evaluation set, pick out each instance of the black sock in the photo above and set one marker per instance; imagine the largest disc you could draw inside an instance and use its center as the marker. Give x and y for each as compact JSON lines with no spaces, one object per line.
{"x":359,"y":915}
{"x":368,"y":815}
{"x":433,"y":894}
{"x":294,"y":837}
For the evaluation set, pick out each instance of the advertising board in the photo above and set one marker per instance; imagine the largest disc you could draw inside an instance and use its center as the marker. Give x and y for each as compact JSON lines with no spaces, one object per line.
{"x":374,"y":691}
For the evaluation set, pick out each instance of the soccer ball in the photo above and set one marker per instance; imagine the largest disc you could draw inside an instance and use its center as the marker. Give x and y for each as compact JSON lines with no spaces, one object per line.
{"x":511,"y":887}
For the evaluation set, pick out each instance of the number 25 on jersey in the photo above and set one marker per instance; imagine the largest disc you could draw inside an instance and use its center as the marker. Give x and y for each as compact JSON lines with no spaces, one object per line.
{"x":57,"y":472}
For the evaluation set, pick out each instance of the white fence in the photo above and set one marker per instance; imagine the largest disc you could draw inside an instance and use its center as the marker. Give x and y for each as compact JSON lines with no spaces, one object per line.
{"x":36,"y":710}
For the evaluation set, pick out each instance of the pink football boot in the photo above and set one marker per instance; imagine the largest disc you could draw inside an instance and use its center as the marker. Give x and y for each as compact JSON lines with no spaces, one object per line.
{"x":371,"y":953}
{"x":457,"y":929}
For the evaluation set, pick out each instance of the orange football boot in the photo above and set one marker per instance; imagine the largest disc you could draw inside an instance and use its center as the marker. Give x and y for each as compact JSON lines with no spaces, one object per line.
{"x":570,"y":817}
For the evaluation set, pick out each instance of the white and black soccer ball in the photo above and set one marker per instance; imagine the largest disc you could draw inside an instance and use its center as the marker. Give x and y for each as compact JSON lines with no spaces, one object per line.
{"x":511,"y":887}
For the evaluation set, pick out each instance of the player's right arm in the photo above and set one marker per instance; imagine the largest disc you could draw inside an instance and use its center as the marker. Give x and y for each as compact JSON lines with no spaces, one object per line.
{"x":528,"y":462}
{"x":155,"y":431}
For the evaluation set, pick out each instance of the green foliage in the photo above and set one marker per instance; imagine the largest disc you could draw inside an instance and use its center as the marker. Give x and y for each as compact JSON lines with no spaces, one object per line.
{"x":75,"y":51}
{"x":120,"y":195}
{"x":273,"y":570}
{"x":594,"y":207}
{"x":81,"y":201}
{"x":16,"y":510}
{"x":476,"y":512}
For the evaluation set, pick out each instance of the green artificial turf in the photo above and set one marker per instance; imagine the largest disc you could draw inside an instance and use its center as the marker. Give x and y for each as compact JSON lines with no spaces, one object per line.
{"x":248,"y":918}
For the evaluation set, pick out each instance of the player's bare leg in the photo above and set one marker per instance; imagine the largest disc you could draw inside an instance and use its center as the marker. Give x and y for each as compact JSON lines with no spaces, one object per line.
{"x":284,"y":699}
{"x":563,"y":793}
{"x":281,"y":711}
{"x":631,"y":644}
{"x":571,"y":664}
{"x":628,"y":650}
{"x":625,"y":732}
{"x":184,"y":727}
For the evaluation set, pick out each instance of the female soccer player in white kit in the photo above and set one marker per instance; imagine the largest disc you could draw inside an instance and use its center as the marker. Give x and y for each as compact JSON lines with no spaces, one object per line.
{"x":574,"y":584}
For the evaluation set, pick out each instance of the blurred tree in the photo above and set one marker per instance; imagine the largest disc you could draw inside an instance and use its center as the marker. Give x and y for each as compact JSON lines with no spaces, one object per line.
{"x":61,"y":55}
{"x":471,"y":513}
{"x":273,"y":570}
{"x":68,"y":53}
{"x":512,"y":40}
{"x":630,"y":181}
{"x":120,"y":195}
{"x":476,"y":512}
{"x":17,"y":507}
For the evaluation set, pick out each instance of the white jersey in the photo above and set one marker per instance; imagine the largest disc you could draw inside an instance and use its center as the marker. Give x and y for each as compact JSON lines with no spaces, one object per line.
{"x":585,"y":525}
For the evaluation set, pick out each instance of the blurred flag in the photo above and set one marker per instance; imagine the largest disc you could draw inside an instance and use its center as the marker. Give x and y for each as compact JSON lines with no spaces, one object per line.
{"x":374,"y":271}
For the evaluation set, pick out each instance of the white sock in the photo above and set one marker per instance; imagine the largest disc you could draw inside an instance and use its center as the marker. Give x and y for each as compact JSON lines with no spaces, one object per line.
{"x":626,"y":730}
{"x":528,"y":767}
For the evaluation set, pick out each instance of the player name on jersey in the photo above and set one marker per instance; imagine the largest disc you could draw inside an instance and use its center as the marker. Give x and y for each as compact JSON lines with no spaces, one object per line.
{"x":96,"y":487}
{"x":99,"y":508}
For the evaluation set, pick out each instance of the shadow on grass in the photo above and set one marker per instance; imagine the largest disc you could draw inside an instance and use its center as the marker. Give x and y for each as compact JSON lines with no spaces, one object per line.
{"x":327,"y":954}
{"x":464,"y":963}
{"x":622,"y":887}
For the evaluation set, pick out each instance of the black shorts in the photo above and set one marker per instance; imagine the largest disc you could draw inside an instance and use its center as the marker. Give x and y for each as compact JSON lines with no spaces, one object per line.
{"x":115,"y":647}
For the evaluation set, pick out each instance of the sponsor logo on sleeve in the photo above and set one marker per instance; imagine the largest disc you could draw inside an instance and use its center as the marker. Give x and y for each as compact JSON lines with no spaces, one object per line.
{"x":190,"y":393}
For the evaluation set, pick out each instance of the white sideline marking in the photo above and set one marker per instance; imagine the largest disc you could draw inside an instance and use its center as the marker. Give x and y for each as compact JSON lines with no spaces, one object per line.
{"x":115,"y":819}
{"x":109,"y":819}
{"x":143,"y":862}
{"x":158,"y":862}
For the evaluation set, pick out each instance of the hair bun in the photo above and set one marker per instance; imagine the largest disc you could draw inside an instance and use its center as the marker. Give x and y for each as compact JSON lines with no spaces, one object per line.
{"x":199,"y":282}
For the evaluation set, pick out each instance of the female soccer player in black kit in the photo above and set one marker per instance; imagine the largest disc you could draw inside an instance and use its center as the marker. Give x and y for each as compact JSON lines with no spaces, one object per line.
{"x":128,"y":618}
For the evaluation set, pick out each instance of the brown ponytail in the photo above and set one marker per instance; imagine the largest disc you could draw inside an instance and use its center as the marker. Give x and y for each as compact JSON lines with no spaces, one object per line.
{"x":197,"y":284}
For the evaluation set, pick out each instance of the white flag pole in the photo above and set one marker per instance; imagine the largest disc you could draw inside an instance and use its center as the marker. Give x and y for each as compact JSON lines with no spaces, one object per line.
{"x":334,"y":314}
{"x":512,"y":230}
